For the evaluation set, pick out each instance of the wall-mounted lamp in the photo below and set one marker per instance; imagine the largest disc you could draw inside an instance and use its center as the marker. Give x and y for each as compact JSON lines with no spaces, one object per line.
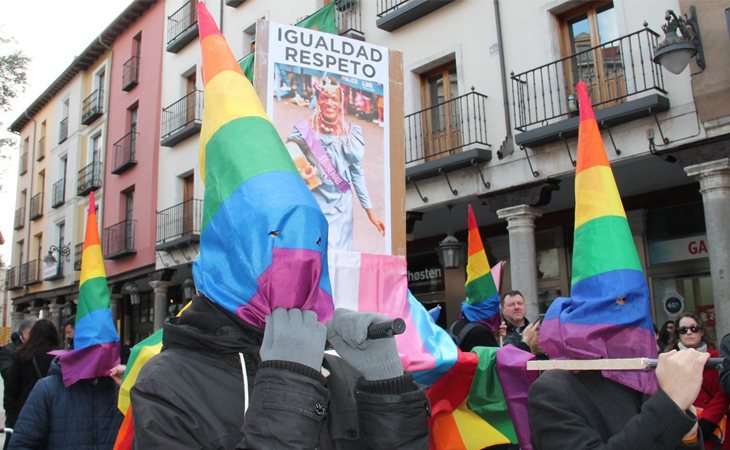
{"x":133,"y":292}
{"x":450,"y":249}
{"x":681,"y":42}
{"x":63,"y":250}
{"x":188,"y":289}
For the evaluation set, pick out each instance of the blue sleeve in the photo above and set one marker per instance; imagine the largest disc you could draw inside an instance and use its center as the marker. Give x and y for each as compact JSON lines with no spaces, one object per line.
{"x":33,"y":425}
{"x":354,"y":153}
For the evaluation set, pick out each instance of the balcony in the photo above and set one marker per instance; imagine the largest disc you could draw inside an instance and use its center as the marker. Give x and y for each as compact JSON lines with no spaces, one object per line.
{"x":118,"y":240}
{"x":63,"y":130}
{"x":89,"y":179}
{"x":124,"y":153}
{"x":182,"y":27}
{"x":179,"y":225}
{"x":130,"y":73}
{"x":623,"y":82}
{"x":19,"y":218}
{"x":23,"y":164}
{"x":36,"y":206}
{"x":182,"y":119}
{"x":393,"y":14}
{"x":41,"y":149}
{"x":78,"y":252}
{"x":30,"y":272}
{"x":92,"y":107}
{"x":59,"y":193}
{"x":348,"y":19}
{"x":12,"y":279}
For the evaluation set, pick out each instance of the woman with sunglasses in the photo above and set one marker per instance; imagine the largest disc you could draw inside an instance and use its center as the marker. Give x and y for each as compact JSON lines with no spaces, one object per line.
{"x":711,"y":403}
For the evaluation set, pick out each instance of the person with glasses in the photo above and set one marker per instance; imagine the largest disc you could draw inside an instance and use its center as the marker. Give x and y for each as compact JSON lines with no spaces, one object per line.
{"x":712,"y":402}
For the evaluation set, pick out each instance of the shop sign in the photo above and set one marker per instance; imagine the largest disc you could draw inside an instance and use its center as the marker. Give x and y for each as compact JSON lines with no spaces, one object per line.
{"x":694,"y":247}
{"x":673,"y":304}
{"x":427,"y":279}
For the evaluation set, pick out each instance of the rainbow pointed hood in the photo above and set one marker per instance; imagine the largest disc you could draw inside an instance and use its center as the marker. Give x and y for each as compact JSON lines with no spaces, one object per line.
{"x":608,"y":314}
{"x":263,"y":242}
{"x":96,"y":342}
{"x":482,"y":298}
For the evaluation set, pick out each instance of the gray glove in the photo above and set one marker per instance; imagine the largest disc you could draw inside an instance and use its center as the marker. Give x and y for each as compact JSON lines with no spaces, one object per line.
{"x":375,"y":359}
{"x":294,"y":336}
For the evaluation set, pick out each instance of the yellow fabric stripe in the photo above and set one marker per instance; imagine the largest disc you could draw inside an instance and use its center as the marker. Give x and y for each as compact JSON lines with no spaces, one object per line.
{"x":230,"y":96}
{"x":596,"y":195}
{"x":474,"y":431}
{"x":477,"y":266}
{"x":124,"y":390}
{"x":92,"y":264}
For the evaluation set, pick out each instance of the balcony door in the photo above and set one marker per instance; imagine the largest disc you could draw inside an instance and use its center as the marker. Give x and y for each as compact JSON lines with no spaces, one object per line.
{"x":188,"y":212}
{"x":190,"y":82}
{"x":588,"y":32}
{"x":129,"y":220}
{"x":440,"y":119}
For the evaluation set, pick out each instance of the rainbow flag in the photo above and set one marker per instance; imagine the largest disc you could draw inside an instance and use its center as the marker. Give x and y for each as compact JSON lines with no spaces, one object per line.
{"x":368,"y":282}
{"x":468,"y":406}
{"x":608,"y":313}
{"x":263,"y":242}
{"x":96,"y":342}
{"x":482,"y":298}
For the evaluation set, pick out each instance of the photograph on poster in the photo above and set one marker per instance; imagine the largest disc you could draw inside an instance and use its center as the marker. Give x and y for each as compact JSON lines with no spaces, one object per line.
{"x":333,"y":127}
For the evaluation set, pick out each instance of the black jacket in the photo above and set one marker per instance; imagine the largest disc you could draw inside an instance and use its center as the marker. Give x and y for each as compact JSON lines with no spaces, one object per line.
{"x":191,"y":395}
{"x":21,"y":377}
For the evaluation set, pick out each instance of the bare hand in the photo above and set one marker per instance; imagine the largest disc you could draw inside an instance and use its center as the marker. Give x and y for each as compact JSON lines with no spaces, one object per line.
{"x":503,"y":329}
{"x":117,"y":372}
{"x":680,"y":375}
{"x":531,"y":337}
{"x":379,"y":225}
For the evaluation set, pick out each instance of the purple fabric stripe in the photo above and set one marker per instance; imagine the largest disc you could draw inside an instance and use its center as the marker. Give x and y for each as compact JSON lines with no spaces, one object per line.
{"x":516,"y":381}
{"x":89,"y":362}
{"x":578,"y":341}
{"x":291,"y":281}
{"x":323,"y":160}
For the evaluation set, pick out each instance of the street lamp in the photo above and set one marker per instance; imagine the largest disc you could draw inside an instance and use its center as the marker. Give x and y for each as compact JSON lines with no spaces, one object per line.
{"x":681,"y":42}
{"x":188,"y":288}
{"x":450,"y":248}
{"x":133,"y":292}
{"x":63,"y":250}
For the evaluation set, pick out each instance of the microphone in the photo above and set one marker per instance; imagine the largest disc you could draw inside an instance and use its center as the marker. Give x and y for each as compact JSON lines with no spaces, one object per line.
{"x":380,"y":330}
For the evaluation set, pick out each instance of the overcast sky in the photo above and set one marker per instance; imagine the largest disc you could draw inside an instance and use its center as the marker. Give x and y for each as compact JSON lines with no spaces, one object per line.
{"x":52,"y":33}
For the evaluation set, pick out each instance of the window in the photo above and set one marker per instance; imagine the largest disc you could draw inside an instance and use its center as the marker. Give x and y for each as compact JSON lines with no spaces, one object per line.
{"x":249,"y":39}
{"x":188,"y":205}
{"x":99,"y":82}
{"x":20,"y":252}
{"x":137,"y":45}
{"x":583,"y":29}
{"x":440,"y":120}
{"x":129,"y":218}
{"x":190,"y":86}
{"x":61,"y":233}
{"x":95,"y":151}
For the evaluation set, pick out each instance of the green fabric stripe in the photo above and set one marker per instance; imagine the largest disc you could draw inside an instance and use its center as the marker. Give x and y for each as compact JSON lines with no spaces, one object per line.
{"x":151,"y":340}
{"x":603,"y":245}
{"x":239,"y":150}
{"x":93,"y":295}
{"x":480,"y":289}
{"x":486,"y":397}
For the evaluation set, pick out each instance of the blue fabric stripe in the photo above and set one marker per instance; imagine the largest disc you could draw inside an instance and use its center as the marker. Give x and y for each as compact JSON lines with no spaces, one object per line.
{"x":436,"y":341}
{"x":96,"y":327}
{"x":481,"y":311}
{"x":236,"y":246}
{"x":593,"y":301}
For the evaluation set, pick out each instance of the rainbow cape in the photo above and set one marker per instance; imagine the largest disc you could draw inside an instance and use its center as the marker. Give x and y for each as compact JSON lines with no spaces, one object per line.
{"x":608,"y":313}
{"x":482,"y":298}
{"x":263,"y":241}
{"x":96,"y":342}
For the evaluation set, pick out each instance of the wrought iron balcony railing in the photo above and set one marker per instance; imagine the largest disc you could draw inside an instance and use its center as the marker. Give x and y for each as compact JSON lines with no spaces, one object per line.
{"x":59,"y":193}
{"x":393,"y":14}
{"x":23,"y":164}
{"x":41,"y":149}
{"x":613,"y":72}
{"x":78,"y":252}
{"x":30,"y":272}
{"x":63,"y":130}
{"x":92,"y":107}
{"x":36,"y":206}
{"x":124,"y":153}
{"x":89,"y":178}
{"x":446,"y":128}
{"x":182,"y":26}
{"x":12,"y":279}
{"x":179,"y":225}
{"x":182,"y":119}
{"x":130,"y":73}
{"x":348,"y":19}
{"x":19,"y":218}
{"x":118,"y":240}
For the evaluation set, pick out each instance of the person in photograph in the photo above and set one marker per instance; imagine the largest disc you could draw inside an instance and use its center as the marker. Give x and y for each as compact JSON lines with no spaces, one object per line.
{"x":334,"y":150}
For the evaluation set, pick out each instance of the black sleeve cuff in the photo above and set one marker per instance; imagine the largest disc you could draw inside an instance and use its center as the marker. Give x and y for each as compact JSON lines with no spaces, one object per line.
{"x":397,"y":385}
{"x":293,"y":367}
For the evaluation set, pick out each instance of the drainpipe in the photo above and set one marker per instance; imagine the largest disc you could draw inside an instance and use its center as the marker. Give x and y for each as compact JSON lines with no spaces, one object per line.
{"x":507,"y":146}
{"x":220,"y":22}
{"x":29,"y":199}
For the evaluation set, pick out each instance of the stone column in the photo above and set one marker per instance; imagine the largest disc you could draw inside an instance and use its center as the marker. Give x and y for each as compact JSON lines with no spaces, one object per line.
{"x":522,"y":257}
{"x":55,"y":315}
{"x":114,"y":302}
{"x":714,"y":178}
{"x":16,"y":318}
{"x":160,"y":289}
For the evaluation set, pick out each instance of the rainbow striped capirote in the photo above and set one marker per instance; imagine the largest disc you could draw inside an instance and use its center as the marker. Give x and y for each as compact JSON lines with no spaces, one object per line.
{"x":263,"y":242}
{"x":608,"y":313}
{"x":482,"y":299}
{"x":96,"y":342}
